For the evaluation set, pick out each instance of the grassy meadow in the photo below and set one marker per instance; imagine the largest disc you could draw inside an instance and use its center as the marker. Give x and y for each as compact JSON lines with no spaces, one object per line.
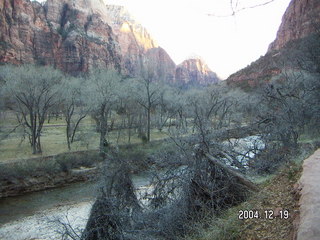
{"x":53,"y":139}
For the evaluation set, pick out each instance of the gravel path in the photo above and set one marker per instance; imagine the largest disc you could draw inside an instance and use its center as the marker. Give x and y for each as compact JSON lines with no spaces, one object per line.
{"x":309,"y":228}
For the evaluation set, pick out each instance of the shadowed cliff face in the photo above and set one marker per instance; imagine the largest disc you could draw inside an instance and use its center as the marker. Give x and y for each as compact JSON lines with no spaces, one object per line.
{"x":296,"y":35}
{"x":301,"y":19}
{"x":58,"y":33}
{"x":195,"y":71}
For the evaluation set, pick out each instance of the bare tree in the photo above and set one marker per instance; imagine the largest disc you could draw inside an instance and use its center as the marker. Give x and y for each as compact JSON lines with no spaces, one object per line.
{"x":147,"y":93}
{"x":74,"y":106}
{"x":34,"y":90}
{"x":103,"y":95}
{"x":129,"y":108}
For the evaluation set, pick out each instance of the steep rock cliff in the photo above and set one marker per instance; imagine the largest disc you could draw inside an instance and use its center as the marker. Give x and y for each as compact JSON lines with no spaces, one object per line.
{"x":138,"y":47}
{"x":296,"y":38}
{"x":301,"y":19}
{"x":61,"y":33}
{"x":195,"y":71}
{"x":78,"y":35}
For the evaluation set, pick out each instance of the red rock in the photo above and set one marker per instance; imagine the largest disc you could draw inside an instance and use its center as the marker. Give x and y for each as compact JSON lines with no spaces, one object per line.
{"x":70,"y":37}
{"x":76,"y":36}
{"x":137,"y":46}
{"x":195,"y":71}
{"x":301,"y":18}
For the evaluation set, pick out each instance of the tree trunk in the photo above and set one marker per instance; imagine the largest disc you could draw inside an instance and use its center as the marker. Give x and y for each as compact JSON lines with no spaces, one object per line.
{"x":148,"y":124}
{"x":33,"y":126}
{"x":39,"y":149}
{"x":237,"y":175}
{"x":103,"y":141}
{"x":68,"y":134}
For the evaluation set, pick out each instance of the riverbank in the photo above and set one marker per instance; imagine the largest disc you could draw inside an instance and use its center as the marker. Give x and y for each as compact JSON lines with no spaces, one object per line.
{"x":37,"y":215}
{"x":43,"y":225}
{"x":42,"y":173}
{"x":38,"y":174}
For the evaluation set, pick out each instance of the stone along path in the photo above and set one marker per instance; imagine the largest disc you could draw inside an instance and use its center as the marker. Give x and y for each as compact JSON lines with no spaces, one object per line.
{"x":309,"y":227}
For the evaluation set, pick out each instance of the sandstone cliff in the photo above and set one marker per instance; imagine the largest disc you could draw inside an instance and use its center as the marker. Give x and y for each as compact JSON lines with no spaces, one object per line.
{"x":301,"y":18}
{"x":61,"y":33}
{"x":300,"y":23}
{"x":195,"y":71}
{"x":138,"y":47}
{"x":78,"y":35}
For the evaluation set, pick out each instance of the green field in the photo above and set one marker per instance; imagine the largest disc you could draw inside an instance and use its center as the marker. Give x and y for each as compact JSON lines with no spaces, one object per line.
{"x":53,"y":138}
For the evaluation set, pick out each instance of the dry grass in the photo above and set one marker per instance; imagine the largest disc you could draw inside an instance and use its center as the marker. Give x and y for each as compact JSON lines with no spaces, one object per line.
{"x":276,"y":194}
{"x":53,"y":139}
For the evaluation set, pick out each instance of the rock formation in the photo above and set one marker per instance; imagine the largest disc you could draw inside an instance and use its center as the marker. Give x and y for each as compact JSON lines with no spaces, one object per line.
{"x":61,"y":33}
{"x":300,"y":21}
{"x":138,"y":47}
{"x":195,"y":71}
{"x":301,"y":18}
{"x":78,"y":35}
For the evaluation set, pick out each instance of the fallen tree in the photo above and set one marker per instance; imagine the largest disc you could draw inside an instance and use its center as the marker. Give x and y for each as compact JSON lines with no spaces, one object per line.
{"x":177,"y":197}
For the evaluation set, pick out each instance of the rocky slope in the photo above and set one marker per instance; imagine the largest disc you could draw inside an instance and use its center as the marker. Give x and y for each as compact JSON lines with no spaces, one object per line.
{"x":78,"y":35}
{"x":301,"y":19}
{"x":295,"y":38}
{"x":195,"y":71}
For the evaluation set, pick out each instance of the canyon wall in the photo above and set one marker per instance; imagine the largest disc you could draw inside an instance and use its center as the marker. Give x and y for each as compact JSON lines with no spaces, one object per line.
{"x":299,"y":28}
{"x":78,"y":35}
{"x":301,"y":19}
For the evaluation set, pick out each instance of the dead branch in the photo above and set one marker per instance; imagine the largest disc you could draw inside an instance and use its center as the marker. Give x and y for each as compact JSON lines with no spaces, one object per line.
{"x":237,"y":175}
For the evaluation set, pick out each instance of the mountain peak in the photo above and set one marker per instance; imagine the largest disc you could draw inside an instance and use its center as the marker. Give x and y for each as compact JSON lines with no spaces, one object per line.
{"x":195,"y":70}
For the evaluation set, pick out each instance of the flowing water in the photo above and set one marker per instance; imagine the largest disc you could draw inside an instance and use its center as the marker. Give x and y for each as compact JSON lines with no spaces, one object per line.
{"x":34,"y":216}
{"x":29,"y":217}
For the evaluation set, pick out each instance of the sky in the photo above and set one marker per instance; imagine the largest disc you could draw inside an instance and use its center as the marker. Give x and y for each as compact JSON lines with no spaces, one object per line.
{"x":207,"y":29}
{"x":226,"y":43}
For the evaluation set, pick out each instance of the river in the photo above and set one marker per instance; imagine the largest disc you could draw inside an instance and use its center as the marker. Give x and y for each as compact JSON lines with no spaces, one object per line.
{"x":30,"y":216}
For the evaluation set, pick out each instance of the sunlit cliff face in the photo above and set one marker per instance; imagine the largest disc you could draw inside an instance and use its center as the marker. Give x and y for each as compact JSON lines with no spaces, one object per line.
{"x":141,"y":36}
{"x":125,"y":28}
{"x":195,"y":70}
{"x":128,"y":29}
{"x":196,"y":65}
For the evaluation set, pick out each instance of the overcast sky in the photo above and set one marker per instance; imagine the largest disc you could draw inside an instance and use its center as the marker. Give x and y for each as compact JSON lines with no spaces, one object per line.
{"x":227,"y":44}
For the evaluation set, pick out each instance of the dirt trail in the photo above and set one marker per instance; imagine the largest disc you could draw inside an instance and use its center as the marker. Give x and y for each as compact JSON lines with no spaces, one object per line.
{"x":309,"y":227}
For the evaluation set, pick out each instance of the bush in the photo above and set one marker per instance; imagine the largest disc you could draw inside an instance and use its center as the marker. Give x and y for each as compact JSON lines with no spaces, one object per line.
{"x":48,"y":165}
{"x":67,"y":161}
{"x":28,"y":168}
